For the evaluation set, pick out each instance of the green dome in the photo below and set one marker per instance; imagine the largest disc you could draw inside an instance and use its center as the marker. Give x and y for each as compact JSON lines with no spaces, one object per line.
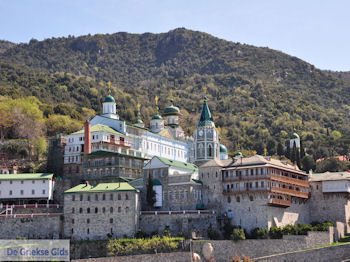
{"x":239,"y":154}
{"x":223,"y":149}
{"x":294,"y":136}
{"x":139,"y":121}
{"x":171,"y":111}
{"x":157,"y":117}
{"x":109,"y":99}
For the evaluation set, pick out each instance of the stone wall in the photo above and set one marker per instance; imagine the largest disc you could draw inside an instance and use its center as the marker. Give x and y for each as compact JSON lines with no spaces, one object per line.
{"x":31,"y":228}
{"x":334,"y":253}
{"x":251,"y":211}
{"x":329,"y":206}
{"x":113,"y":213}
{"x":178,"y":222}
{"x":224,"y":250}
{"x":162,"y":257}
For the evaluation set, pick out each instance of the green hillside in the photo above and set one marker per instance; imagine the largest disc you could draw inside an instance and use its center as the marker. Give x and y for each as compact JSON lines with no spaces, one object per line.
{"x":258,"y":96}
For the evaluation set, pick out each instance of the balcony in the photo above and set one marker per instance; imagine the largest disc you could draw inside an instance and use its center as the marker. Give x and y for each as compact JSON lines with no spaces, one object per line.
{"x":244,"y":191}
{"x":289,"y":192}
{"x":289,"y":180}
{"x":279,"y":202}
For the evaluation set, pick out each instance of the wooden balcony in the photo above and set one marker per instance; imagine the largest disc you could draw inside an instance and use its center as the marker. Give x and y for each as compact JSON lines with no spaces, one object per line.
{"x":289,"y":192}
{"x":244,"y":178}
{"x":279,"y":202}
{"x":244,"y":191}
{"x":289,"y":180}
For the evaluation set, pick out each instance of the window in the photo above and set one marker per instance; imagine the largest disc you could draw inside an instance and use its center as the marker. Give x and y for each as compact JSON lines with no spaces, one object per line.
{"x":88,"y":221}
{"x":119,"y":209}
{"x":119,"y":197}
{"x":81,"y":197}
{"x":88,"y":198}
{"x":251,"y":198}
{"x":103,"y":197}
{"x":228,"y":199}
{"x":96,"y":197}
{"x":88,"y":231}
{"x":33,"y":192}
{"x":111,"y":197}
{"x":43,"y":181}
{"x":126,"y":197}
{"x":72,"y":230}
{"x":43,"y":191}
{"x":22,"y":192}
{"x":127,"y":210}
{"x":72,"y":221}
{"x":111,"y":220}
{"x":103,"y":210}
{"x":111,"y":210}
{"x":11,"y":182}
{"x":96,"y":210}
{"x":238,"y":199}
{"x":73,"y":198}
{"x":23,"y":181}
{"x":88,"y":210}
{"x":73,"y":210}
{"x":80,"y":210}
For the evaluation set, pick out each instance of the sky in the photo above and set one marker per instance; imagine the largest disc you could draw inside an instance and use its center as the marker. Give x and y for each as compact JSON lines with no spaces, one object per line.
{"x":316,"y":31}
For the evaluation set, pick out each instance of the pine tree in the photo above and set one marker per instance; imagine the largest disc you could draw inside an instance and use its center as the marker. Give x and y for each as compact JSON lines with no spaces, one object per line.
{"x":151,"y":194}
{"x":302,"y":150}
{"x":297,"y":158}
{"x":280,"y":150}
{"x":294,"y":153}
{"x":287,"y":154}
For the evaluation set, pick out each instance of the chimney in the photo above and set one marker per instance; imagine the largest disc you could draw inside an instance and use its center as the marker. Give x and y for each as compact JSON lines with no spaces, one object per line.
{"x":87,"y":137}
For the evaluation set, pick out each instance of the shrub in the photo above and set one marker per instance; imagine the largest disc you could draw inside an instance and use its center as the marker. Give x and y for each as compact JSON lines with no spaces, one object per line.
{"x":118,"y":247}
{"x":212,"y":233}
{"x":227,"y":230}
{"x":237,"y":234}
{"x":275,"y":232}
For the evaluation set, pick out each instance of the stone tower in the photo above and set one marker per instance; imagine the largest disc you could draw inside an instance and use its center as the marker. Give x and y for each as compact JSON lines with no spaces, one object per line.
{"x":206,"y":137}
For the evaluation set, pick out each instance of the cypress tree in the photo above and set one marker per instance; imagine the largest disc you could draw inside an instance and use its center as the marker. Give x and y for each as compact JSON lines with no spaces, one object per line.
{"x":151,"y":194}
{"x":294,"y":153}
{"x":302,"y":150}
{"x":287,"y":154}
{"x":280,"y":150}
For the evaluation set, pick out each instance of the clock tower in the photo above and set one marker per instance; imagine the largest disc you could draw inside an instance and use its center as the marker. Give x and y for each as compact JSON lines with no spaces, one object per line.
{"x":206,"y":137}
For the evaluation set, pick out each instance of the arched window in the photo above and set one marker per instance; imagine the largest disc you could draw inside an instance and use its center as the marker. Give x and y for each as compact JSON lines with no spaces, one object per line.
{"x":96,"y":210}
{"x":210,"y":151}
{"x":88,"y":210}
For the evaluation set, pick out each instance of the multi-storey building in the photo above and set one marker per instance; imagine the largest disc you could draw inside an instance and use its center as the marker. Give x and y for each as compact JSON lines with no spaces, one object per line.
{"x":330,"y":197}
{"x":26,"y":188}
{"x":101,"y":210}
{"x":256,"y":191}
{"x":176,"y":184}
{"x":109,"y":133}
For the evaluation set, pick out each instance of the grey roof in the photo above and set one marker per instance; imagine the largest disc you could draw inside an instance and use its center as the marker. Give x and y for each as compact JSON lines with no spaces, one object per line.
{"x":330,"y":176}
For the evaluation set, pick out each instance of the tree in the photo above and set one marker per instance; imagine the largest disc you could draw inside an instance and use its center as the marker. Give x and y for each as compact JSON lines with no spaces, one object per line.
{"x":237,"y":234}
{"x":280,"y":150}
{"x":302,"y":150}
{"x":331,"y":165}
{"x":287,"y":153}
{"x":151,"y":194}
{"x":40,"y":147}
{"x":293,"y":155}
{"x":308,"y":163}
{"x":6,"y":119}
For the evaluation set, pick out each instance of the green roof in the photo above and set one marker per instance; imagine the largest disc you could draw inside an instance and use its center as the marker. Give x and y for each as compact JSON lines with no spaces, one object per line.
{"x":99,"y":128}
{"x":294,"y":136}
{"x":109,"y":99}
{"x":157,"y":117}
{"x":29,"y":176}
{"x":100,"y":188}
{"x":107,"y":153}
{"x":205,"y":118}
{"x":156,"y":182}
{"x":178,"y":164}
{"x":223,"y":149}
{"x":171,"y":111}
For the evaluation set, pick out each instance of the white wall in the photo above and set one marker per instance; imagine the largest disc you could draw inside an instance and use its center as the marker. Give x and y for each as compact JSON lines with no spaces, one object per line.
{"x":336,"y":186}
{"x":26,"y":186}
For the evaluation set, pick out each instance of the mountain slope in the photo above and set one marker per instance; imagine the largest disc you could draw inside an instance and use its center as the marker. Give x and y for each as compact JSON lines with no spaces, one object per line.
{"x":257,"y":95}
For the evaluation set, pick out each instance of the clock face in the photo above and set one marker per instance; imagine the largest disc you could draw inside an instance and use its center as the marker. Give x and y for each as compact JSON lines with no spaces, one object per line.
{"x":200,"y":133}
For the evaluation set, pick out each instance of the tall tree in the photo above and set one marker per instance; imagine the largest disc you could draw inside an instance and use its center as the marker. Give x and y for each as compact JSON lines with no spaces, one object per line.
{"x":294,"y":153}
{"x":302,"y":149}
{"x":280,"y":150}
{"x":151,"y":194}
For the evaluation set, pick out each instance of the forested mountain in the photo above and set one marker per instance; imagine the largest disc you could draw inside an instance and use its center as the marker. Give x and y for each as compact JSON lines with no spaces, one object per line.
{"x":258,"y":96}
